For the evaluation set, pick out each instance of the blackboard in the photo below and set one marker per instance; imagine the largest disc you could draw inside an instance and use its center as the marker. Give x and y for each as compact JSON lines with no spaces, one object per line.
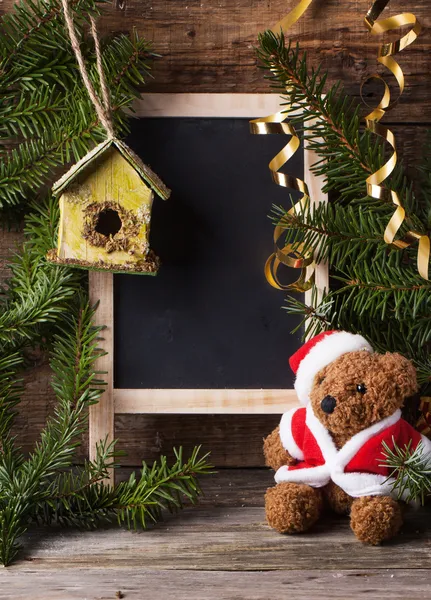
{"x":208,"y":319}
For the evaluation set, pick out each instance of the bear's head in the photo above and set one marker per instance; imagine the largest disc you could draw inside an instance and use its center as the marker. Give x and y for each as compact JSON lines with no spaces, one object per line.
{"x":359,"y":389}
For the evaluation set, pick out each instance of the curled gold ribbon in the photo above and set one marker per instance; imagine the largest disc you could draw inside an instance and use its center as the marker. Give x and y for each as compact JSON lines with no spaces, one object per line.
{"x":375,"y":189}
{"x":296,"y":256}
{"x":291,"y":18}
{"x":291,"y":255}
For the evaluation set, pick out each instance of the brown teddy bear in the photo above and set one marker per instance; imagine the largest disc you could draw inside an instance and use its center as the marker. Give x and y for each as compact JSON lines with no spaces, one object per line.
{"x":330,"y":451}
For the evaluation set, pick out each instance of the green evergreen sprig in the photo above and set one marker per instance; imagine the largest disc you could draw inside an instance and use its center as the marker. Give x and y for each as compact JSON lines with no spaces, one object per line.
{"x":316,"y":316}
{"x":25,"y":482}
{"x":82,"y":498}
{"x":411,"y":470}
{"x":37,"y":293}
{"x":45,"y":110}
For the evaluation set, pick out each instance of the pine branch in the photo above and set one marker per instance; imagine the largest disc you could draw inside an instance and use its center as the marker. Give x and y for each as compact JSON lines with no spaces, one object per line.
{"x":83,"y":499}
{"x":315,"y":317}
{"x":38,"y":293}
{"x":30,"y":28}
{"x":385,"y":285}
{"x":424,"y":171}
{"x":348,"y":156}
{"x":160,"y":487}
{"x":48,"y":299}
{"x":336,"y":232}
{"x":30,"y":114}
{"x":39,"y":488}
{"x":411,"y":470}
{"x":45,"y":103}
{"x":10,"y":390}
{"x":76,"y":388}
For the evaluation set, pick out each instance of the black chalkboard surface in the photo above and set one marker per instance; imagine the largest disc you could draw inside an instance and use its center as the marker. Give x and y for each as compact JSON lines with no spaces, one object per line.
{"x":209,"y":319}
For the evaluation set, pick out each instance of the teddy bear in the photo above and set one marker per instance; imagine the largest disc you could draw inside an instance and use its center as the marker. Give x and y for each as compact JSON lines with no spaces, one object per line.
{"x":328,"y":452}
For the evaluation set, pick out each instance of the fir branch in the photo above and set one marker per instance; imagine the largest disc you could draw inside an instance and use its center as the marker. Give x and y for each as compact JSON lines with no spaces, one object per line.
{"x":385,"y":285}
{"x":316,"y":317}
{"x":411,"y":470}
{"x":424,"y":182}
{"x":10,"y":390}
{"x":83,"y":499}
{"x":47,"y":120}
{"x":160,"y":487}
{"x":76,"y":387}
{"x":48,"y":299}
{"x":29,"y":114}
{"x":30,"y":28}
{"x":38,"y":293}
{"x":332,"y":126}
{"x":44,"y":100}
{"x":336,"y":232}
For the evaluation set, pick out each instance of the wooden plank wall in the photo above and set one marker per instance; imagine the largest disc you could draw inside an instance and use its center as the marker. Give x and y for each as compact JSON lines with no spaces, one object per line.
{"x":207,"y":46}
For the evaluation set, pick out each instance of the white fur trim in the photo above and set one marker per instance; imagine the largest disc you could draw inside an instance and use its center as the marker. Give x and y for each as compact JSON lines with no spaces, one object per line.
{"x":322,"y":436}
{"x":364,"y":484}
{"x":314,"y":476}
{"x":354,"y":484}
{"x":323,"y":353}
{"x":351,"y":448}
{"x":286,"y":436}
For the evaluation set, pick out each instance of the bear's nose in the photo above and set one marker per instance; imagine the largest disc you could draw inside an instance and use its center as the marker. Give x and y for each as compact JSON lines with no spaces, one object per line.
{"x":328,"y":404}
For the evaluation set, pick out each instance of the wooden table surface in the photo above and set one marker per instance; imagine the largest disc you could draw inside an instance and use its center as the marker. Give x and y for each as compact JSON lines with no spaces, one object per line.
{"x":222,"y":549}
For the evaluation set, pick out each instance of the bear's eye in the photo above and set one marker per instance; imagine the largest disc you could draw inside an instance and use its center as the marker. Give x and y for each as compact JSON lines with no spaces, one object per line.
{"x":320,"y":380}
{"x":361,"y":388}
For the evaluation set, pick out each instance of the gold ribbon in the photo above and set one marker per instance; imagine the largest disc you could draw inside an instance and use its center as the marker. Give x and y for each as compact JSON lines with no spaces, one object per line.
{"x":374,"y":181}
{"x":296,"y":256}
{"x":294,"y":15}
{"x":291,"y":255}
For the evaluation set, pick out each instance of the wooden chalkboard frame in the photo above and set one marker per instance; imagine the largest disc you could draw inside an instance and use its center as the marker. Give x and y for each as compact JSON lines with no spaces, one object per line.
{"x":101,"y":288}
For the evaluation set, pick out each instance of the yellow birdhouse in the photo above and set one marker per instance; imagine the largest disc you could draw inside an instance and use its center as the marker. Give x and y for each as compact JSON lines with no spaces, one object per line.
{"x":105,"y":211}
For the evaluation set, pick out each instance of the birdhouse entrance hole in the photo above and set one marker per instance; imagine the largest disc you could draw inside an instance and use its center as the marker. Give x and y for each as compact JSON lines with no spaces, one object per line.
{"x":110,"y":226}
{"x":108,"y":222}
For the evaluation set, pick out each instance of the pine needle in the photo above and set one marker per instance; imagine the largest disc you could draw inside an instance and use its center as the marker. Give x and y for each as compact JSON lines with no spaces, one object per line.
{"x":411,"y":470}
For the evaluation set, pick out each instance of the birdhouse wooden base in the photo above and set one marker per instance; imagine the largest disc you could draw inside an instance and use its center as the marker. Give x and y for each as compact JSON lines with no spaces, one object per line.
{"x":105,"y":212}
{"x":148,"y":267}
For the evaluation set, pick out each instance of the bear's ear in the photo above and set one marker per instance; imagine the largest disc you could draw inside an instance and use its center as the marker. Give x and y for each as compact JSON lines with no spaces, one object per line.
{"x":401,"y":371}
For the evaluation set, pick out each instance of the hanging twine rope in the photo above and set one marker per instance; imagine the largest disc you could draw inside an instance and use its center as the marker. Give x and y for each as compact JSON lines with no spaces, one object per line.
{"x":103,"y":108}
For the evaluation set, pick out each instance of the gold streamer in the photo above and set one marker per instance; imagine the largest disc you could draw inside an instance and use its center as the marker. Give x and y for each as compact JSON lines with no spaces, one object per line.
{"x":290,"y":255}
{"x":295,"y":255}
{"x":294,"y":15}
{"x":374,"y":181}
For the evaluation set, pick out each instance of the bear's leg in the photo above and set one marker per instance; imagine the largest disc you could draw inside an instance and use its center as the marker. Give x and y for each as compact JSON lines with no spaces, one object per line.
{"x":375,"y":518}
{"x":337,"y":499}
{"x":292,"y":507}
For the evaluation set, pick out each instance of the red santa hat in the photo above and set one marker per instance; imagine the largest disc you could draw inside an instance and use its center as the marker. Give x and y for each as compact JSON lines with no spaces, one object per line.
{"x":318,"y":352}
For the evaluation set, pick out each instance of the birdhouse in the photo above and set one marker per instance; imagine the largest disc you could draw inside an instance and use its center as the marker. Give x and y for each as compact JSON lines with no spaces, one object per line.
{"x":105,"y":211}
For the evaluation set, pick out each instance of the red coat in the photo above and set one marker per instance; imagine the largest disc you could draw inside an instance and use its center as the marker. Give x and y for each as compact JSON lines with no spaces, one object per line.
{"x":357,"y":467}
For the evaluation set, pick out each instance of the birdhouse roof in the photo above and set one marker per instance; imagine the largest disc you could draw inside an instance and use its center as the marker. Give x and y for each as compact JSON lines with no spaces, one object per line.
{"x":146,"y":174}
